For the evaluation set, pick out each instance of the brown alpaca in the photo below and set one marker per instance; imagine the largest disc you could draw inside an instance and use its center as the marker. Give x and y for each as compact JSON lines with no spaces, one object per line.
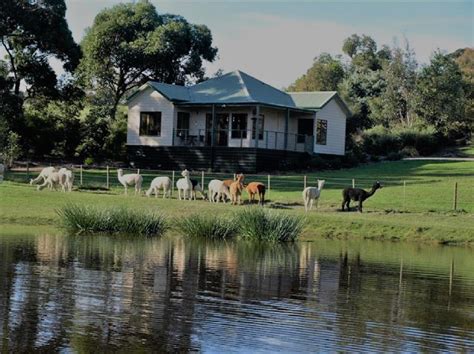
{"x":235,"y":190}
{"x":256,"y":188}
{"x":228,"y":182}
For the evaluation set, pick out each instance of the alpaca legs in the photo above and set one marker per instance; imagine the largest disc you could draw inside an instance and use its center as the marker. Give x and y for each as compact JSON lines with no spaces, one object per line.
{"x":346,"y":203}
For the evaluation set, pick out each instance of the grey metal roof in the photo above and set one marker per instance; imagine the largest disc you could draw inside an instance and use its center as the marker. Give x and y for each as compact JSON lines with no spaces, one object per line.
{"x":312,"y":100}
{"x":171,"y":92}
{"x":237,"y":87}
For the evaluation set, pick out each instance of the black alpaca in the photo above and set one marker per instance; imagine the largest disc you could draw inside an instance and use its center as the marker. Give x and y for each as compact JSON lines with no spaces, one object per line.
{"x":357,"y":195}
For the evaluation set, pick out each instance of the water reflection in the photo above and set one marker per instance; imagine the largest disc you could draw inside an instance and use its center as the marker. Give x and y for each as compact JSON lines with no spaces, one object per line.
{"x":95,"y":293}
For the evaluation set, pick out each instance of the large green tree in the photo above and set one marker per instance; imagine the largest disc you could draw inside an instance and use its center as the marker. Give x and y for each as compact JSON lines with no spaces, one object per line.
{"x":465,"y":60}
{"x":324,"y":75}
{"x":441,"y":97}
{"x":396,"y":103}
{"x":32,"y":32}
{"x":129,"y":44}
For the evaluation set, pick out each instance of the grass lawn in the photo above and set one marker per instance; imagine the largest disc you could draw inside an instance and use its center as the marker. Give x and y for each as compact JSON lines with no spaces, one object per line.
{"x":422,"y":211}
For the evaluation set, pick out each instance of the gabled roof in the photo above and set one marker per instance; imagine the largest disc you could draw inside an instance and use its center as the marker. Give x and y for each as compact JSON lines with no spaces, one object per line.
{"x":237,"y":87}
{"x":317,"y":100}
{"x":171,"y":92}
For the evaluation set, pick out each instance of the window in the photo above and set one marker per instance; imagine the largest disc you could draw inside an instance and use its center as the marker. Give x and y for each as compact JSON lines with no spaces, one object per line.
{"x":239,"y":126}
{"x":182,"y":126}
{"x":305,"y":127}
{"x":150,"y":123}
{"x":321,"y":131}
{"x":260,"y":127}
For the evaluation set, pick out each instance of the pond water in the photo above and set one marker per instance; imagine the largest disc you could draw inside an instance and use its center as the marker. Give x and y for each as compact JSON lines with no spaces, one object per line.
{"x":97,"y":293}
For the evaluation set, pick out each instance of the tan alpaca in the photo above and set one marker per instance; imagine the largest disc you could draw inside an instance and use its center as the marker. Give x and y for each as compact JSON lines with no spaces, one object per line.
{"x":236,"y":190}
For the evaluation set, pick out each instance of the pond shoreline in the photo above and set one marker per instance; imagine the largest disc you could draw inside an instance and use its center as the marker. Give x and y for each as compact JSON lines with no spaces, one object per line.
{"x":23,"y":209}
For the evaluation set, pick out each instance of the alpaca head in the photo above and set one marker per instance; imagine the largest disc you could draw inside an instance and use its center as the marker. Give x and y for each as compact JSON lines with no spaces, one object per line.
{"x":240,"y":178}
{"x":120,"y":172}
{"x":377,"y":185}
{"x":321,"y":183}
{"x":185,"y":173}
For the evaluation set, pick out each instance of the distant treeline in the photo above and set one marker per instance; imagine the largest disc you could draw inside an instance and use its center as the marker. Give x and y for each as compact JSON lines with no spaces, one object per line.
{"x":399,"y":107}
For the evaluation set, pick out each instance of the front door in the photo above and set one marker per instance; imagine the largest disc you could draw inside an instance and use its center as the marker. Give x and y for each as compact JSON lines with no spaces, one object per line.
{"x":221,"y":129}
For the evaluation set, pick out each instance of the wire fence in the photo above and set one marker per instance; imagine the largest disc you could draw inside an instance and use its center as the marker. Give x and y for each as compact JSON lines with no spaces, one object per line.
{"x":412,"y":194}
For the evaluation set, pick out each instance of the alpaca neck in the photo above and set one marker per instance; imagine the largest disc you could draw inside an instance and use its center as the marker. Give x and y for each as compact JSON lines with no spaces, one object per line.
{"x":372,"y":192}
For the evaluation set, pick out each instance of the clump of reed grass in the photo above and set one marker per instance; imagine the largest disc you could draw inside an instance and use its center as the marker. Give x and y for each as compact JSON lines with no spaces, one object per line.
{"x":197,"y":225}
{"x":260,"y":224}
{"x":79,"y":219}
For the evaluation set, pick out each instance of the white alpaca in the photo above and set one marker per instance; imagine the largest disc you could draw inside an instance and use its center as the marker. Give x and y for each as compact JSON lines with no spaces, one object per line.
{"x":217,"y":190}
{"x":184,"y":185}
{"x":52,"y":181}
{"x":312,"y":193}
{"x":44,"y":174}
{"x":66,"y":179}
{"x":160,"y":183}
{"x":2,"y":171}
{"x":132,"y":179}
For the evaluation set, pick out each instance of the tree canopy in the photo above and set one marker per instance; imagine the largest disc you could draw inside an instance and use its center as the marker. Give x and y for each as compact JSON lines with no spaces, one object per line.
{"x":325,"y":75}
{"x":130,"y":44}
{"x":32,"y":33}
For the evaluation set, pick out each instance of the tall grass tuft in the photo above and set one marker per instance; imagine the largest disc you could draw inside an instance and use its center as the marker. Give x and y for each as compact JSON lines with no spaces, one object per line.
{"x":211,"y":227}
{"x":78,"y":218}
{"x":260,"y":224}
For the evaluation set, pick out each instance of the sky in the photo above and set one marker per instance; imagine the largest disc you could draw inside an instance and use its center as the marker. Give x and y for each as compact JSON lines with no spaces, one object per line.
{"x":276,"y":41}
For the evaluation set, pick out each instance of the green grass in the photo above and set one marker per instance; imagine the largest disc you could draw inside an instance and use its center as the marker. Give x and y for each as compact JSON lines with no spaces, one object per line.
{"x":83,"y":218}
{"x":208,"y":226}
{"x":423,"y":214}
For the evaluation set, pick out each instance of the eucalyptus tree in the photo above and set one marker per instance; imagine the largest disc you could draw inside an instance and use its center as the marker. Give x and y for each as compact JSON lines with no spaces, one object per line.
{"x":324,"y":75}
{"x":441,"y":96}
{"x":396,"y":103}
{"x":129,"y":44}
{"x":32,"y":32}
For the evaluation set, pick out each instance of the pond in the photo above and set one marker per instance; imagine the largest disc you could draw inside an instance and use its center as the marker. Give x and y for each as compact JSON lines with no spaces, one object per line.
{"x":97,"y":293}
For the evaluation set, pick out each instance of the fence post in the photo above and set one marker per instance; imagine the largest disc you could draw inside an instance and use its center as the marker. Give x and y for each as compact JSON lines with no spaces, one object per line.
{"x":108,"y":178}
{"x":269,"y":184}
{"x":305,"y":182}
{"x":172,"y":183}
{"x":404,"y":194}
{"x":80,"y":174}
{"x":235,"y":176}
{"x":455,"y":199}
{"x":202,"y":181}
{"x":353,"y":183}
{"x":138,"y":171}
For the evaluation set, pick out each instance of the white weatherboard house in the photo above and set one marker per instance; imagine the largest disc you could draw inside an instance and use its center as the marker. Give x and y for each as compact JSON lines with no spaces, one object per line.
{"x":232,"y":122}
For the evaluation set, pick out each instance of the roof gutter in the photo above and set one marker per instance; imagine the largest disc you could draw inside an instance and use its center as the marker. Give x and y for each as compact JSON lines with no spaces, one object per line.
{"x":241,"y":104}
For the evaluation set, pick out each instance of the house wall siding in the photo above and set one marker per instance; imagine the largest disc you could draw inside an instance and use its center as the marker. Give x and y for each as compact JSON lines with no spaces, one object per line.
{"x":336,"y":130}
{"x":150,"y":101}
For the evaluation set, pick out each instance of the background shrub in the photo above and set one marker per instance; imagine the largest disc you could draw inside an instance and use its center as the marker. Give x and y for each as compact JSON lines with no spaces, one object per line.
{"x":398,"y":142}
